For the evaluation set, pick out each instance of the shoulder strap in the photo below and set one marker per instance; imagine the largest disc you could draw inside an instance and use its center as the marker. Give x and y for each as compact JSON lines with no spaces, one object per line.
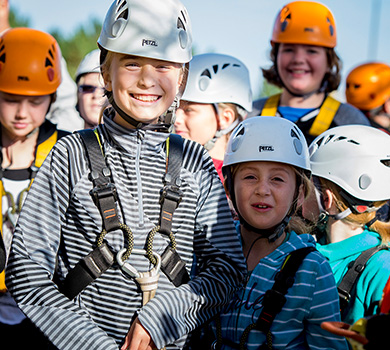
{"x":101,"y":258}
{"x":271,"y":106}
{"x":325,"y":117}
{"x":171,"y":194}
{"x":355,"y":269}
{"x":274,"y":298}
{"x":44,"y":148}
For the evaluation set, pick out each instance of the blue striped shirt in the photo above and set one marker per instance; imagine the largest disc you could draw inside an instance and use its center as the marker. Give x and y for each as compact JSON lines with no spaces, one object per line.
{"x":311,"y":300}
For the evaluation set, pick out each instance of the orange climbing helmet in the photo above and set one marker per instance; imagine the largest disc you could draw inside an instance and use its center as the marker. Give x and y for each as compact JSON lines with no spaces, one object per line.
{"x":30,"y":62}
{"x":368,"y":86}
{"x":306,"y":23}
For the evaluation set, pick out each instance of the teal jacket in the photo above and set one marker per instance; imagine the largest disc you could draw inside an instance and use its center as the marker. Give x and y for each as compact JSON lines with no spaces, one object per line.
{"x":369,"y":287}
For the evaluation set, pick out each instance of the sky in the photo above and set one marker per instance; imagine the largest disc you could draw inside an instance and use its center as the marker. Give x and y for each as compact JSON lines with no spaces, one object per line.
{"x":240,"y":28}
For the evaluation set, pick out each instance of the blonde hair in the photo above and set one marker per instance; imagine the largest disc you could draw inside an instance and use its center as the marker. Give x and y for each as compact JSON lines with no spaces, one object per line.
{"x":358,"y":219}
{"x":296,"y":223}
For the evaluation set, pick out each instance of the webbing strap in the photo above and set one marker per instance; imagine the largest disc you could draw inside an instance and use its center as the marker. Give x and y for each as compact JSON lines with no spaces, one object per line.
{"x":325,"y":116}
{"x":273,"y":301}
{"x":44,"y":149}
{"x":2,"y":254}
{"x":104,"y":191}
{"x":87,"y":270}
{"x":101,"y":258}
{"x":271,"y":106}
{"x":274,"y":298}
{"x":171,"y":194}
{"x":355,"y":269}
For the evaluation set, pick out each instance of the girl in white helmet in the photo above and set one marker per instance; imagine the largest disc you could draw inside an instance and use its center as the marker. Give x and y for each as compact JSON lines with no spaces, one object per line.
{"x":306,"y":68}
{"x":217,"y":97}
{"x":90,"y":89}
{"x":267,"y":179}
{"x":111,"y":233}
{"x":350,"y":166}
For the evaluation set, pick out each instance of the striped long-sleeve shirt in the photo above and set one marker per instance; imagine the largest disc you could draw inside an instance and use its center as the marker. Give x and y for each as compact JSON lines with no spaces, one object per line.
{"x":311,"y":300}
{"x":59,"y":225}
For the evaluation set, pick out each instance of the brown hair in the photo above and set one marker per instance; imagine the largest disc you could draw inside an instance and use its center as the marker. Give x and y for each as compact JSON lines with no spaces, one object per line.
{"x":332,"y":78}
{"x":361,"y":219}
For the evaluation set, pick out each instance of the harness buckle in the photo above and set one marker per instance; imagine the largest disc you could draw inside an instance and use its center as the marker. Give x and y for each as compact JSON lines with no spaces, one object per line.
{"x":172,"y":193}
{"x":344,"y":298}
{"x":104,"y":191}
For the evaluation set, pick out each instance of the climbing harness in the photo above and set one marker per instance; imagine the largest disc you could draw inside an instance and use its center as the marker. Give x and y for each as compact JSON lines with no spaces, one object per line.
{"x":273,"y":302}
{"x":321,"y":123}
{"x":104,"y":193}
{"x":13,"y":211}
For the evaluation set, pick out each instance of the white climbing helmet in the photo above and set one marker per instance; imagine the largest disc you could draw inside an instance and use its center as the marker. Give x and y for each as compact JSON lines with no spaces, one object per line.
{"x":356,"y":158}
{"x":159,"y":29}
{"x":218,"y":78}
{"x":270,"y":139}
{"x":89,"y":64}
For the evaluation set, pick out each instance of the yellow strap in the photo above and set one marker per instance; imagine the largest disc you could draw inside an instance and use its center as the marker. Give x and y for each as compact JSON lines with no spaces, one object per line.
{"x":44,"y":148}
{"x":325,"y":117}
{"x":271,"y":106}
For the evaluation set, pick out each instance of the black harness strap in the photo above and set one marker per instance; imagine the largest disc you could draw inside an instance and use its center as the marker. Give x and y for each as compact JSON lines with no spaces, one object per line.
{"x":171,"y":263}
{"x":274,"y":298}
{"x":104,"y":194}
{"x":355,"y":269}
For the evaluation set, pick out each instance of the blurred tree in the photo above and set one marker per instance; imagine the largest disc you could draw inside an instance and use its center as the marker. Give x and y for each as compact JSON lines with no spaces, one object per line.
{"x":78,"y":44}
{"x":269,"y":89}
{"x":15,"y":20}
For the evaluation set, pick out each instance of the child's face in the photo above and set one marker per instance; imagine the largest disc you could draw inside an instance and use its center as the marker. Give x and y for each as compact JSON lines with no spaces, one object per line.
{"x":90,"y":97}
{"x":19,"y":114}
{"x":264,"y":192}
{"x":302,"y":67}
{"x":144,"y":88}
{"x":196,"y":121}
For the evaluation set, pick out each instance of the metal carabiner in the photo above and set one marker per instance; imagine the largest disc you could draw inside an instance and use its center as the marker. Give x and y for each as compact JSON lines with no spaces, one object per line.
{"x":131,"y":270}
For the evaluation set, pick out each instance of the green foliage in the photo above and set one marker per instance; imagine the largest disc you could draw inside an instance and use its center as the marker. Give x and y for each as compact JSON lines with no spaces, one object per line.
{"x":78,"y":44}
{"x":16,"y":20}
{"x":269,"y":89}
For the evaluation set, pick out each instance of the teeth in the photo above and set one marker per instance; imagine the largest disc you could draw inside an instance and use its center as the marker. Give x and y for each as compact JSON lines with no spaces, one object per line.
{"x":144,"y":98}
{"x":262,"y":206}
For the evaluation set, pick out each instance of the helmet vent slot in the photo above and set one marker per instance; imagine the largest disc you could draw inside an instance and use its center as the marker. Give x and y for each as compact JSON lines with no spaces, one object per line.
{"x":180,"y":24}
{"x":206,"y":73}
{"x":48,"y":63}
{"x":386,"y":162}
{"x":124,"y":14}
{"x":2,"y":58}
{"x":215,"y":68}
{"x":225,"y":65}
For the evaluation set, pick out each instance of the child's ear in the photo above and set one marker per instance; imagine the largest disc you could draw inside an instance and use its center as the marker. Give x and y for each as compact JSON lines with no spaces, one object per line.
{"x":226,"y":117}
{"x":107,"y":81}
{"x":328,"y":199}
{"x":301,"y":195}
{"x":386,"y":106}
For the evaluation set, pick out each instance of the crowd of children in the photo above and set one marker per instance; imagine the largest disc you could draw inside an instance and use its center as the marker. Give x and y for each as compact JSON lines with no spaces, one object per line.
{"x":121,"y":235}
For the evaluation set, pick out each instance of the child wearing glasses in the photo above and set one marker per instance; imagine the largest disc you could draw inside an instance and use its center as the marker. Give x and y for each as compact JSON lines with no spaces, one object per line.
{"x":90,"y":91}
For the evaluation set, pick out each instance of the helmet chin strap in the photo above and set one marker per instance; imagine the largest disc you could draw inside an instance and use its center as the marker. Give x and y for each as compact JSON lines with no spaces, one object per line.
{"x":166,"y":121}
{"x":272,"y":233}
{"x":211,"y":143}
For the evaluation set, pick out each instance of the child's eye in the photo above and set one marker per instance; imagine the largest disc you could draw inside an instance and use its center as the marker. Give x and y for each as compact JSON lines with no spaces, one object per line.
{"x":278,"y":179}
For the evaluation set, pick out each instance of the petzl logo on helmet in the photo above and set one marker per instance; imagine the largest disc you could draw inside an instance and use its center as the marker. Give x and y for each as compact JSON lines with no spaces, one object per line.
{"x":146,"y":42}
{"x":266,"y":148}
{"x":23,"y":78}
